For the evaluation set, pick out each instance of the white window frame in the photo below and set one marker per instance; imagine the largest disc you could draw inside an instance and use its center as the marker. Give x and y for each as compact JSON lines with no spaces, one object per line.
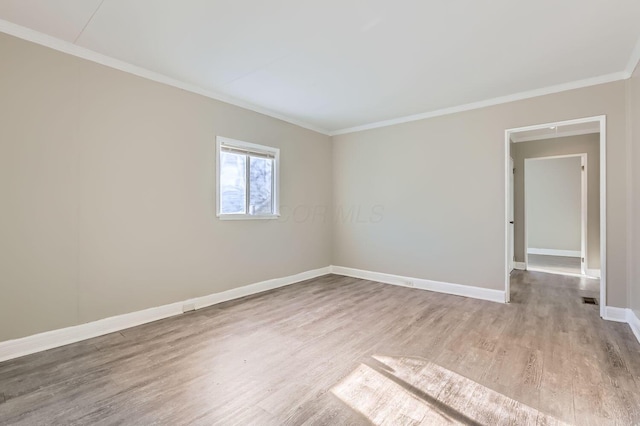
{"x":259,"y":149}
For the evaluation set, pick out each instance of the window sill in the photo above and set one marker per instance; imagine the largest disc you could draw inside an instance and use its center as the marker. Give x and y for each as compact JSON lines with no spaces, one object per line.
{"x":248,"y":217}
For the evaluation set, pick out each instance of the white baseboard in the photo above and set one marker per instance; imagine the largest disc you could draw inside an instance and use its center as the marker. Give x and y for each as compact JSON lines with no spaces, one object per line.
{"x":593,"y":273}
{"x":521,"y":266}
{"x":626,"y":316}
{"x":248,"y":290}
{"x":11,"y":349}
{"x":437,"y":286}
{"x":52,"y":339}
{"x":615,"y":314}
{"x":634,"y":323}
{"x":554,"y":252}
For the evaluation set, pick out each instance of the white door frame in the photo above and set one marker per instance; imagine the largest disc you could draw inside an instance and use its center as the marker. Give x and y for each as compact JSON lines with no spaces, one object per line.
{"x":583,"y":207}
{"x":602,"y":120}
{"x":511,"y":217}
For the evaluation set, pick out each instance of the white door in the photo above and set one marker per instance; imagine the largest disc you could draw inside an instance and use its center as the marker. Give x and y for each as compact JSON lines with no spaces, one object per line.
{"x":511,"y":218}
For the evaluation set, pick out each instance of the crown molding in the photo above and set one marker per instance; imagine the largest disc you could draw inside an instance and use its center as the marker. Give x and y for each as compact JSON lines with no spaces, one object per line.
{"x":516,"y":139}
{"x":69,"y":48}
{"x":634,"y":59}
{"x":608,"y":78}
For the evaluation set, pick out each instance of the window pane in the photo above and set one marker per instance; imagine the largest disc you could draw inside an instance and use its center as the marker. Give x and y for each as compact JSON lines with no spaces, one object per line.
{"x":261,"y":184}
{"x":233,"y":175}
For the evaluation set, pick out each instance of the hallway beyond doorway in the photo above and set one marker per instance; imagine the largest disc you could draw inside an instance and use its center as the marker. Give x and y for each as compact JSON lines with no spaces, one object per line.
{"x":554,"y":264}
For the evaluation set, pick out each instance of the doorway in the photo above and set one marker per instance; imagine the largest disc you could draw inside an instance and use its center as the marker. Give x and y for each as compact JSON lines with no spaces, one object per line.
{"x":556,"y":131}
{"x":555,"y":214}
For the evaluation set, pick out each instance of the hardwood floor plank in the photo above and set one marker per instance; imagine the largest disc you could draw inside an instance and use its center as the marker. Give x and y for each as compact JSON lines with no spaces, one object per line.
{"x":556,"y":386}
{"x":338,"y":350}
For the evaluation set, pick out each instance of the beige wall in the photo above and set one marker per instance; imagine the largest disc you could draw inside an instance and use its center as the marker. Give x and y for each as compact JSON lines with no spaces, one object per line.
{"x":589,"y":144}
{"x":108,"y":194}
{"x":634,"y":119}
{"x":554,"y":203}
{"x":107,"y":191}
{"x":441,"y":184}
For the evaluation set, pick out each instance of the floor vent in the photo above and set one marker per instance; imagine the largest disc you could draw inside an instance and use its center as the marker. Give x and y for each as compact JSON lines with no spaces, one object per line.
{"x":589,"y":300}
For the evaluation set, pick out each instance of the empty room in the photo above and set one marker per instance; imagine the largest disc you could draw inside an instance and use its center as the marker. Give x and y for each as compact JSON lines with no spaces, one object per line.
{"x":322,"y":213}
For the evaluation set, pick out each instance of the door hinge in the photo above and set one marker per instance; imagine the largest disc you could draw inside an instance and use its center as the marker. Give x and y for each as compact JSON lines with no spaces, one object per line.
{"x":583,"y":260}
{"x":583,"y":168}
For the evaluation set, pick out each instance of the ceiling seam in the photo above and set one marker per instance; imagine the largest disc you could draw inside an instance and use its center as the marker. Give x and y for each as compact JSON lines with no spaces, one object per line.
{"x":88,"y":22}
{"x":255,"y":70}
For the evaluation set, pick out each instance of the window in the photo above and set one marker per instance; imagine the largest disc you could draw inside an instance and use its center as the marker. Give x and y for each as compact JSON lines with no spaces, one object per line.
{"x":247,"y":186}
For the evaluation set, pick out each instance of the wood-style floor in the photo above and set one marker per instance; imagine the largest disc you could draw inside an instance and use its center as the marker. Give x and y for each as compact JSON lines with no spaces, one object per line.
{"x":338,"y":350}
{"x":555,"y":264}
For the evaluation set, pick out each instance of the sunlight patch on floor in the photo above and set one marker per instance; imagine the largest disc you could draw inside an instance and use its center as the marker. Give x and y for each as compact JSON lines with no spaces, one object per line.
{"x":409,"y":391}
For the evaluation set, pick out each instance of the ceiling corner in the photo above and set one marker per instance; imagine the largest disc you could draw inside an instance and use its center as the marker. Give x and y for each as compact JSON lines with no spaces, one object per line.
{"x":634,"y":59}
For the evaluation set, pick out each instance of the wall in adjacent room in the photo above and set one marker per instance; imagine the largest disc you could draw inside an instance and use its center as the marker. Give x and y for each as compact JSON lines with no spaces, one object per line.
{"x":589,"y":144}
{"x":554,"y":203}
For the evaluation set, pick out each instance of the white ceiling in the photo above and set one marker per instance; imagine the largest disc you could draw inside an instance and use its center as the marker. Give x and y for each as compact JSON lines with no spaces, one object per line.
{"x":336,"y":64}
